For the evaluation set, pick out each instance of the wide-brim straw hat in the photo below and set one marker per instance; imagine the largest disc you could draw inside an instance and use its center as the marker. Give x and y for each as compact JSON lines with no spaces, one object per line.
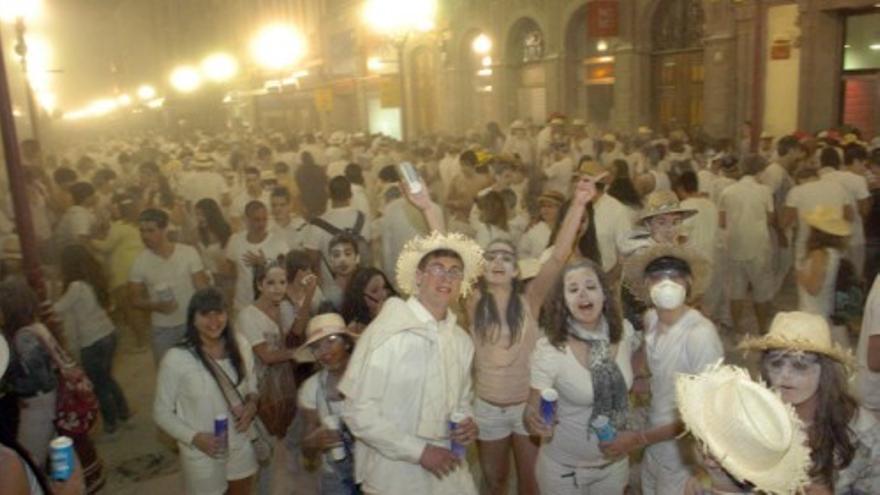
{"x":518,"y":124}
{"x":746,"y":427}
{"x":321,"y":326}
{"x":593,"y":169}
{"x":634,"y":269}
{"x":470,"y":252}
{"x":551,"y":196}
{"x":798,"y":331}
{"x":202,"y":160}
{"x":661,"y":203}
{"x":828,"y":219}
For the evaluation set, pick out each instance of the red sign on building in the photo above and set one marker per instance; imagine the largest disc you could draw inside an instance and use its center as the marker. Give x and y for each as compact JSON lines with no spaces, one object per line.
{"x":602,"y":18}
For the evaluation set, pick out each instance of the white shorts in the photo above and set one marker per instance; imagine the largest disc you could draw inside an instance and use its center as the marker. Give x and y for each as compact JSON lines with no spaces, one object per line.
{"x":498,"y":423}
{"x":558,"y":479}
{"x":756,"y":273}
{"x":206,"y":475}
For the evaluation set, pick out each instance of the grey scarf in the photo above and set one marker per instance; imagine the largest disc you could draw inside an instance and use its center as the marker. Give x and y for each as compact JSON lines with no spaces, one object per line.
{"x":610,"y":394}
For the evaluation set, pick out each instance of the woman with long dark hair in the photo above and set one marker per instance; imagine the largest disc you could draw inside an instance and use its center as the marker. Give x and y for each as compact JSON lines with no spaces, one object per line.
{"x":799,"y":361}
{"x":90,"y":331}
{"x":585,"y":357}
{"x":367,"y":292}
{"x":189,"y":396}
{"x":212,"y":234}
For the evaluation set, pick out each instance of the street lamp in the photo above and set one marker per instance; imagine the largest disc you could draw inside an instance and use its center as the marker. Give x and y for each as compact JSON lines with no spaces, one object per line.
{"x":185,"y":79}
{"x":278,"y":46}
{"x":482,"y":44}
{"x":19,"y":11}
{"x":146,"y":92}
{"x":219,"y":67}
{"x":398,"y":20}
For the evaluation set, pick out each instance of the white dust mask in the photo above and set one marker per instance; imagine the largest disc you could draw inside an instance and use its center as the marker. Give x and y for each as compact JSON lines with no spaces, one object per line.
{"x":668,"y":294}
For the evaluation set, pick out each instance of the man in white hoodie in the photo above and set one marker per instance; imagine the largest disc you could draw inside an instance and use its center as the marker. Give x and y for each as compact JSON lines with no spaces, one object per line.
{"x":409,"y":373}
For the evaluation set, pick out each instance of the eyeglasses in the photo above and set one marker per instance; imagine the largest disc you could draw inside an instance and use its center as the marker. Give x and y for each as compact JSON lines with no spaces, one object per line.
{"x":437,"y":270}
{"x":325,"y":343}
{"x":505,"y":256}
{"x":799,"y":361}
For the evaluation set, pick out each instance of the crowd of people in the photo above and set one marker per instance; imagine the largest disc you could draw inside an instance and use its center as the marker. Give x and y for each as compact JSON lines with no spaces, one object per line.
{"x":553,"y":307}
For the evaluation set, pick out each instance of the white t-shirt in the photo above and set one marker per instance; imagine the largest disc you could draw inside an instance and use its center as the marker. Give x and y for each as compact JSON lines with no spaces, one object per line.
{"x":76,"y":221}
{"x":294,"y":233}
{"x":746,"y":205}
{"x":272,"y":246}
{"x":319,"y":239}
{"x":702,"y":228}
{"x":572,"y":444}
{"x":241,"y":200}
{"x":857,"y":188}
{"x":867,"y":381}
{"x":534,"y":241}
{"x":257,"y":328}
{"x":311,"y":395}
{"x":806,"y":197}
{"x":613,"y":225}
{"x":201,"y":184}
{"x":559,"y":175}
{"x":175,"y":272}
{"x":85,"y":321}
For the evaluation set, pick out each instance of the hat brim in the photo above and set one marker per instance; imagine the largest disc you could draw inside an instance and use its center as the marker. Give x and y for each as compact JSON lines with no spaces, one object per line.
{"x":772,"y":342}
{"x":304,"y":355}
{"x":684,"y":212}
{"x":470,"y":252}
{"x":634,"y":269}
{"x":783,"y":477}
{"x":833,"y":226}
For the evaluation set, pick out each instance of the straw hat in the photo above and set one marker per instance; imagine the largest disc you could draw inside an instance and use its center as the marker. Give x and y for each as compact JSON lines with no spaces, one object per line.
{"x":557,"y":121}
{"x":320,"y":326}
{"x":551,"y":196}
{"x":661,"y":203}
{"x":202,"y":160}
{"x":635,"y":265}
{"x":828,"y":219}
{"x":645,"y":130}
{"x":4,"y":355}
{"x":593,"y":170}
{"x":517,"y":124}
{"x":746,"y":427}
{"x":799,"y":331}
{"x":611,"y":138}
{"x":416,"y":249}
{"x":578,"y":123}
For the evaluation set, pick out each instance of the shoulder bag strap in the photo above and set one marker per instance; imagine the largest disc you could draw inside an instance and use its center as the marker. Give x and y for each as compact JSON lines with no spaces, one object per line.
{"x":230,"y":393}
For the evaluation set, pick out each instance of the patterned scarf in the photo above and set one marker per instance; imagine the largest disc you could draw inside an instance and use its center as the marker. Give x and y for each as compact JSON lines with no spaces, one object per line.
{"x":610,"y":394}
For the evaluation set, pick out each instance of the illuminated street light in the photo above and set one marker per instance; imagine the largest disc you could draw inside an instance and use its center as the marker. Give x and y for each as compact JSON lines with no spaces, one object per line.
{"x":219,"y":67}
{"x":28,"y":10}
{"x":124,"y":100}
{"x":278,"y":47}
{"x":185,"y":79}
{"x":602,"y":46}
{"x":400,"y":17}
{"x":146,"y":92}
{"x":374,"y":64}
{"x":482,"y":44}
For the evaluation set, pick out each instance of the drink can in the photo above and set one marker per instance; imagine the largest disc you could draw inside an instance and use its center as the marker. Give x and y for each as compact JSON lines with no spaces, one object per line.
{"x":221,"y":432}
{"x":331,"y":422}
{"x":604,"y":429}
{"x":549,"y":397}
{"x":62,"y":458}
{"x":411,"y":177}
{"x":456,"y":448}
{"x":164,"y":293}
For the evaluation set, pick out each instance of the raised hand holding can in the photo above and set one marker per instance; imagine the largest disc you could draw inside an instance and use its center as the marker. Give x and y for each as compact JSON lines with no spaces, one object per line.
{"x":549,"y":397}
{"x":62,"y":458}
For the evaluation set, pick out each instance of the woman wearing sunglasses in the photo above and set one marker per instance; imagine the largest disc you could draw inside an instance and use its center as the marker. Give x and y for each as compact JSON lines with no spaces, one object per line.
{"x":328,"y":342}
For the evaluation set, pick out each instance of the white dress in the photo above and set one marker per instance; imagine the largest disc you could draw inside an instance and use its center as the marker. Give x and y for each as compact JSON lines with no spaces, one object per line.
{"x":187,"y":401}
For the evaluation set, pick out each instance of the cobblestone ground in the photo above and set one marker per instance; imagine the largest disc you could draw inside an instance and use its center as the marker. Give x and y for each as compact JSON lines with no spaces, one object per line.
{"x":140,"y":461}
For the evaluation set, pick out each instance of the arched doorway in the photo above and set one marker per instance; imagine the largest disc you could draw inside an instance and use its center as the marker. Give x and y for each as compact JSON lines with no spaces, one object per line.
{"x":589,"y":77}
{"x":477,"y":79}
{"x":424,"y":92}
{"x":525,"y":55}
{"x":677,"y":64}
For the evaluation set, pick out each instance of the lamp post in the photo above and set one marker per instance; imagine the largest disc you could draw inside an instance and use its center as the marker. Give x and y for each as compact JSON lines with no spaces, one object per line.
{"x":398,"y":20}
{"x":21,"y":49}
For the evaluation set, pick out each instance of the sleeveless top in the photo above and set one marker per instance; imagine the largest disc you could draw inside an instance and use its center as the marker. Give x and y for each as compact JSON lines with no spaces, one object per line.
{"x":502,"y":373}
{"x":823,"y":302}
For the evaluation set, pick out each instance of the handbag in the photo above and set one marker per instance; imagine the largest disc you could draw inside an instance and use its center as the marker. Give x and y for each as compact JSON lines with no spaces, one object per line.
{"x":262,"y":444}
{"x":276,"y":404}
{"x":76,"y":409}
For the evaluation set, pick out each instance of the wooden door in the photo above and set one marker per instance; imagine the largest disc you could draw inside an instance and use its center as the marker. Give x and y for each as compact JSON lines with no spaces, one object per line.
{"x":678,"y":89}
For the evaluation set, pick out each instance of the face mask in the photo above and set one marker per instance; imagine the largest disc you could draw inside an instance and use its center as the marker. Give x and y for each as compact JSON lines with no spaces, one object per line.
{"x":668,"y":294}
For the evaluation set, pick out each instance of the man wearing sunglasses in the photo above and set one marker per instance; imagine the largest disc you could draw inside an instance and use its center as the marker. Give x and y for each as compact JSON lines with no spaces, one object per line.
{"x":411,"y":371}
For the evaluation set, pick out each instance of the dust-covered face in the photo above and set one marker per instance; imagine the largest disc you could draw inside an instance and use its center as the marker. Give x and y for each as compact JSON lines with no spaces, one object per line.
{"x":795,"y":375}
{"x":665,"y":228}
{"x":584,"y":296}
{"x":500,"y":264}
{"x":343,"y":259}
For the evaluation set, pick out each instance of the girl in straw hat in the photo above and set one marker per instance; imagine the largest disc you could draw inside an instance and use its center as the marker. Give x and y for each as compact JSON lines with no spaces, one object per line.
{"x":678,"y":339}
{"x":817,"y":272}
{"x":329,"y":343}
{"x":799,"y":360}
{"x":748,"y":439}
